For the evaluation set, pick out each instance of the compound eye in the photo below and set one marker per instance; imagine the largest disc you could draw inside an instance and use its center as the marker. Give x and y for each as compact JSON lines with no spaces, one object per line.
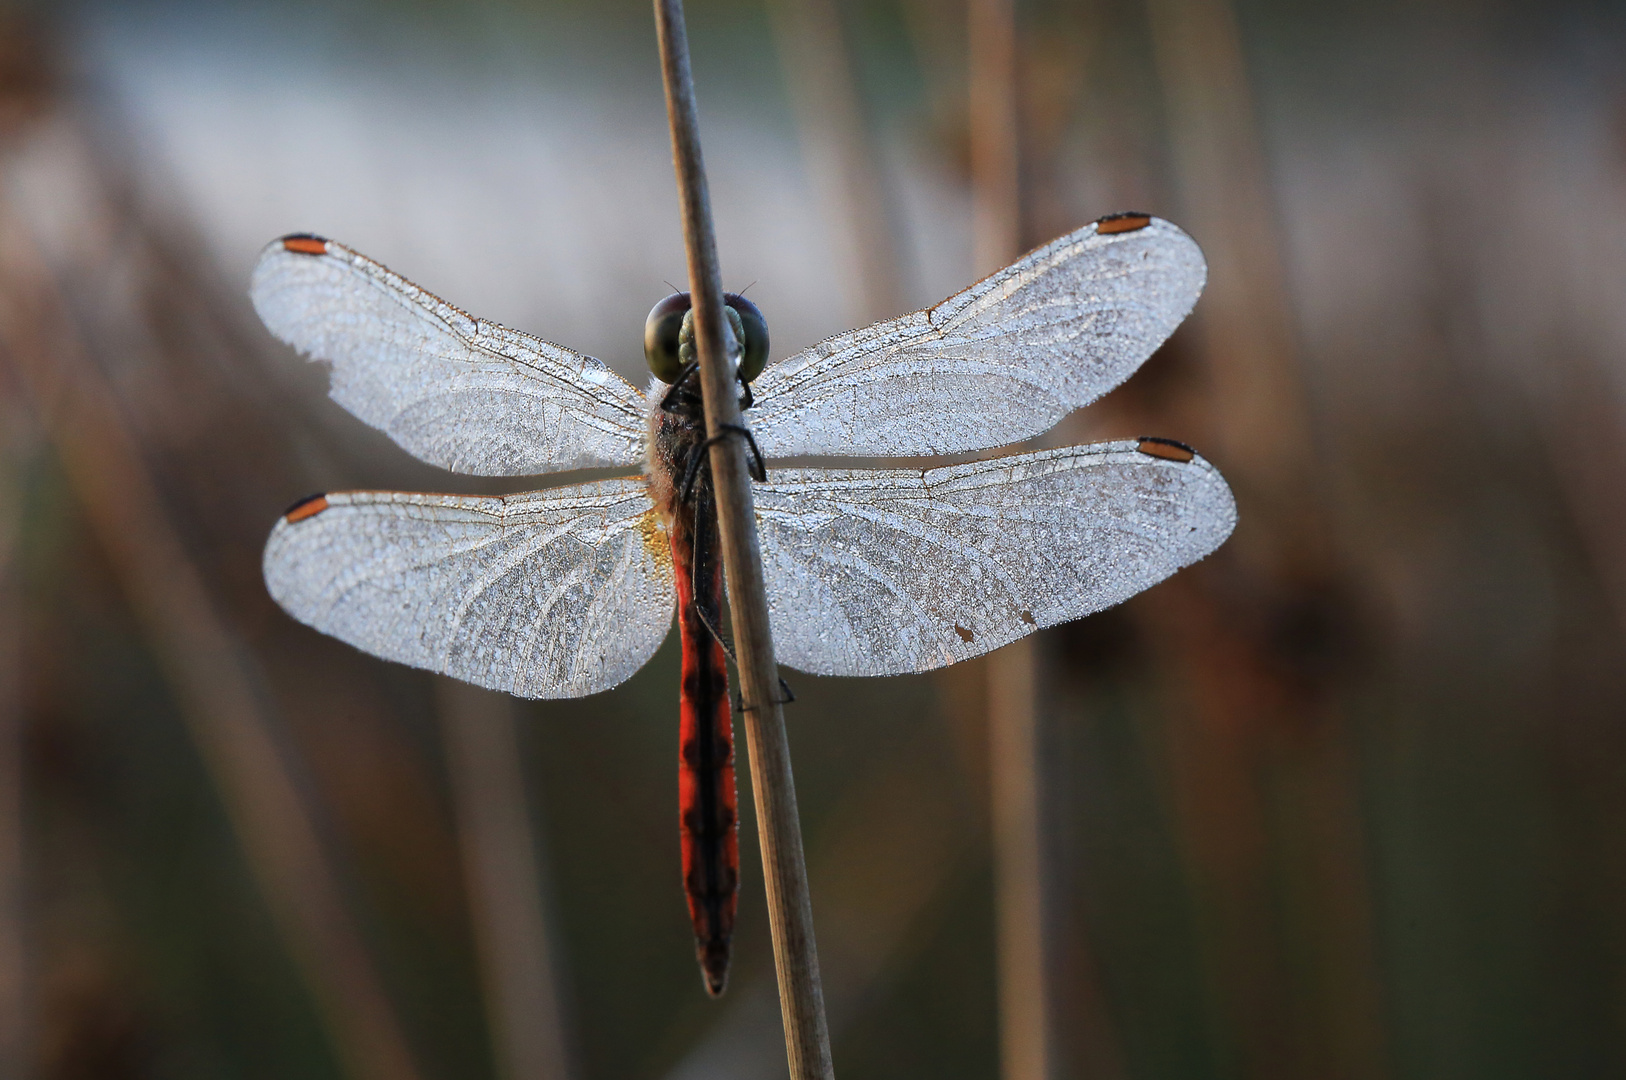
{"x":754,"y":349}
{"x":661,"y":331}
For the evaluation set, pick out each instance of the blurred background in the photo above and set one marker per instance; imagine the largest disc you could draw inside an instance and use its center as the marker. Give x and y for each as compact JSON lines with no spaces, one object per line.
{"x":1346,"y":800}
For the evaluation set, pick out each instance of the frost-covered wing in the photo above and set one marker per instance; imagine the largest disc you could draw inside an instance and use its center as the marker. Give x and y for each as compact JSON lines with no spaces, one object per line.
{"x":458,"y":392}
{"x":1000,"y":362}
{"x":879,"y":572}
{"x":549,"y":594}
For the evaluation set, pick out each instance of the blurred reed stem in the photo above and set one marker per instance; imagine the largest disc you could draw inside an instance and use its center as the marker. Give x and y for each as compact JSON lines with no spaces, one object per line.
{"x":26,"y":88}
{"x":994,"y":127}
{"x":1015,"y":766}
{"x":841,"y":150}
{"x":1241,"y":629}
{"x":17,"y":436}
{"x":790,"y":908}
{"x":217,"y":686}
{"x":1022,"y":878}
{"x":505,"y":882}
{"x":1244,"y":321}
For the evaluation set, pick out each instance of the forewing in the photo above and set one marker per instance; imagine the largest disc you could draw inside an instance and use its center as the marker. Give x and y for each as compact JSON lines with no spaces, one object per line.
{"x":1000,"y":362}
{"x":458,"y":392}
{"x":879,"y":572}
{"x":549,"y":594}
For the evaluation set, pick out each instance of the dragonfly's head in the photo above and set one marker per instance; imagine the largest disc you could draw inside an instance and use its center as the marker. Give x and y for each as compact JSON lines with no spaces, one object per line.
{"x":669,"y":336}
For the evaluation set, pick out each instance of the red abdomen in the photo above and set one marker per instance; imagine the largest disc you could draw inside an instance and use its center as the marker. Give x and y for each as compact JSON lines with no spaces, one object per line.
{"x":707,"y":802}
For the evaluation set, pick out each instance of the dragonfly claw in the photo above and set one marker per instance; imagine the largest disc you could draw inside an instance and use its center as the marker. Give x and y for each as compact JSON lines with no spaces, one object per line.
{"x":786,"y":700}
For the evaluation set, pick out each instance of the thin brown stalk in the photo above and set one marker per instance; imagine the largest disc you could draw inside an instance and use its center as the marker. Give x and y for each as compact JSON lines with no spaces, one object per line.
{"x":1020,"y":873}
{"x":996,"y":211}
{"x":790,"y":910}
{"x":840,"y":148}
{"x":1245,"y":322}
{"x":505,"y":883}
{"x":1015,"y":770}
{"x":216,"y":683}
{"x":16,"y":433}
{"x":1251,"y":724}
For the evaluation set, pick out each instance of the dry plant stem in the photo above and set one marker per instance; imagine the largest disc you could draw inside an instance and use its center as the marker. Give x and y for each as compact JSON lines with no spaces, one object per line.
{"x":840,"y":148}
{"x":996,"y":218}
{"x":1026,"y":1048}
{"x":220,"y":700}
{"x":1245,"y":321}
{"x":505,"y":883}
{"x":790,"y":911}
{"x":1246,"y":728}
{"x":16,"y":435}
{"x":1020,"y":916}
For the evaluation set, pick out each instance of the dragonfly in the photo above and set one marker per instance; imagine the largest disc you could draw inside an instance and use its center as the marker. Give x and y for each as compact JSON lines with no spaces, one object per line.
{"x":567,"y":591}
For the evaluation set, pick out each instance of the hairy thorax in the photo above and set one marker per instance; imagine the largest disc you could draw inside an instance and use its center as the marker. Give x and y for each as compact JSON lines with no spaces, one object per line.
{"x":674,"y":436}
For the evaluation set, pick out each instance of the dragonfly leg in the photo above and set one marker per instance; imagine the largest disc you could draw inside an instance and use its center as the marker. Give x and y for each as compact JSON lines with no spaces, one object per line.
{"x":699,"y":610}
{"x":728,"y":650}
{"x":672,"y":400}
{"x":691,"y":471}
{"x":759,"y":471}
{"x":786,"y":700}
{"x":723,"y":643}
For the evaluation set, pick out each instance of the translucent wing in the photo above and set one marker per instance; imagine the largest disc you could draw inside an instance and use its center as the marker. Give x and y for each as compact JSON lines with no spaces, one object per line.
{"x":548,"y":594}
{"x":876,"y":572}
{"x":1000,"y":362}
{"x":456,"y":391}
